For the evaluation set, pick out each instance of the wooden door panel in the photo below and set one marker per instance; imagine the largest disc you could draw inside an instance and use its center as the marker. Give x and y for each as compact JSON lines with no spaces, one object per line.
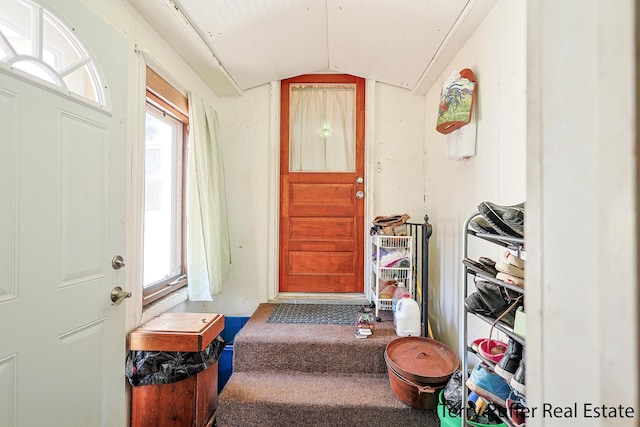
{"x":314,"y":262}
{"x":303,"y":229}
{"x":328,"y":200}
{"x":329,"y":193}
{"x":320,"y":283}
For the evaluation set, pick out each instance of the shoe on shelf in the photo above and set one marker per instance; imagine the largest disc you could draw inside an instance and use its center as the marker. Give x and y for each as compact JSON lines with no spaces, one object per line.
{"x":488,"y":261}
{"x":510,"y":362}
{"x":480,"y":225}
{"x":514,"y":260}
{"x":489,"y":300}
{"x":488,"y":385}
{"x":494,"y":214}
{"x":510,"y":279}
{"x":512,"y":270}
{"x":480,"y":267}
{"x":517,"y":408}
{"x":517,"y":382}
{"x":514,"y":217}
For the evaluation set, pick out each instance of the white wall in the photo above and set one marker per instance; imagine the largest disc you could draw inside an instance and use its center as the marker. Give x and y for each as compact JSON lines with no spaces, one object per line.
{"x":453,"y":189}
{"x":396,"y":160}
{"x":582,"y":223}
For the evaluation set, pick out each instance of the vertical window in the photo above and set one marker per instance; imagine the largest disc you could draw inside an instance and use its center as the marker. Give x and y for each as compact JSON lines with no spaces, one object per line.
{"x":166,"y":127}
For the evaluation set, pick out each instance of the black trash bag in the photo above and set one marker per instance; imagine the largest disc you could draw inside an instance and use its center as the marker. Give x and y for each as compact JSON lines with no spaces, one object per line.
{"x":452,"y":394}
{"x":145,"y":367}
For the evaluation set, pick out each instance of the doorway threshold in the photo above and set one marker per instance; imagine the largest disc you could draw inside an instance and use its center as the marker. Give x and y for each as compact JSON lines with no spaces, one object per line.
{"x":320,"y":298}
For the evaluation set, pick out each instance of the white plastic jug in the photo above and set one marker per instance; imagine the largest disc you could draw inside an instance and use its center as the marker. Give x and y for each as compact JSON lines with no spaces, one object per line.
{"x":407,"y":318}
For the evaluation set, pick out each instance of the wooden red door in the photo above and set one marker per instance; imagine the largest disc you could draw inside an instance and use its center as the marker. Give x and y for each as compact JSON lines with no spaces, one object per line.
{"x":321,"y":212}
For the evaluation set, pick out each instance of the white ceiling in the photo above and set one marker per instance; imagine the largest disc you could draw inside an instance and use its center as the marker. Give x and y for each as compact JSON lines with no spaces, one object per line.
{"x":254,"y":42}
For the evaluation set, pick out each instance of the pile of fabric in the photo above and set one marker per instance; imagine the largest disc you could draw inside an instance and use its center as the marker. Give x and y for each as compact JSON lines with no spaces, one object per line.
{"x":392,"y":225}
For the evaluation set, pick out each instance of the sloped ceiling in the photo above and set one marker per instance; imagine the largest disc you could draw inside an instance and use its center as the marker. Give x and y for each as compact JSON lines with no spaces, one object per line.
{"x":253,"y":42}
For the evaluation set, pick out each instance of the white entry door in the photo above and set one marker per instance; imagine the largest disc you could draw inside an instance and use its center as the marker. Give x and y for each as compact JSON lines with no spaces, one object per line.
{"x":62,"y":188}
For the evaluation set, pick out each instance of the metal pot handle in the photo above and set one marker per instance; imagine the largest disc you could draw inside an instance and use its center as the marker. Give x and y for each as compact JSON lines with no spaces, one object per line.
{"x":421,"y":389}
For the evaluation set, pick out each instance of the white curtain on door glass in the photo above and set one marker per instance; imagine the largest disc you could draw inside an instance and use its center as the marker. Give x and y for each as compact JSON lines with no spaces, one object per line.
{"x":208,"y":248}
{"x":322,"y":128}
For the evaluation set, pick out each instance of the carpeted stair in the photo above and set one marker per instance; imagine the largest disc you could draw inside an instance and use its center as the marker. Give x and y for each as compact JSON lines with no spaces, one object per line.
{"x":312,"y":375}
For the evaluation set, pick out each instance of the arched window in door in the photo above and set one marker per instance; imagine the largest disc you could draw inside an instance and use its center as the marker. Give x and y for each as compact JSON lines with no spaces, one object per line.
{"x":35,"y":42}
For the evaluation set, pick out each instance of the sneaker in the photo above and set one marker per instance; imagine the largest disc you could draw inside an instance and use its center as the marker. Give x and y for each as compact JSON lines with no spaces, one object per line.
{"x":480,"y":225}
{"x":517,"y":408}
{"x":517,"y":382}
{"x":508,"y":365}
{"x":494,"y":214}
{"x":488,"y":385}
{"x":514,"y":217}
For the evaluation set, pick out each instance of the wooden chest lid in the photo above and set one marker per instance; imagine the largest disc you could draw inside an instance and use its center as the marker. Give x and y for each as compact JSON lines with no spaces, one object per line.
{"x":177,"y":332}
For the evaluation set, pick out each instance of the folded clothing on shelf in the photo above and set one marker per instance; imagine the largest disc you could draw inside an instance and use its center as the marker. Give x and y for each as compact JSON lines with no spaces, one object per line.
{"x":398,"y":258}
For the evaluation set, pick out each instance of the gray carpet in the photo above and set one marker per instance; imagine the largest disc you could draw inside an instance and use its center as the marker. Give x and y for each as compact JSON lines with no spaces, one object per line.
{"x":319,"y":314}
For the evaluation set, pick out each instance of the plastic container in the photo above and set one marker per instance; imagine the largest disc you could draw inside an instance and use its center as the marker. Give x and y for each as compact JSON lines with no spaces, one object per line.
{"x":407,"y":317}
{"x":398,"y":294}
{"x":232,"y":325}
{"x":225,"y":366}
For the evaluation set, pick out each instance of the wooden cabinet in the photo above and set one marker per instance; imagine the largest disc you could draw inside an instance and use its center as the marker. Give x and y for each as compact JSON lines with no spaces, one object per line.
{"x":192,"y":401}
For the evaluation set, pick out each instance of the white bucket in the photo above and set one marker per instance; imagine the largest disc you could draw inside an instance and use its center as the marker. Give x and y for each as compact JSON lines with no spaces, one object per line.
{"x":407,"y":318}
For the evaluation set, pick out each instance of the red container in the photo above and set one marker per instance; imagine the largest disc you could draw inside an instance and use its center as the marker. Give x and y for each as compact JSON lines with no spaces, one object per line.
{"x":419,"y":368}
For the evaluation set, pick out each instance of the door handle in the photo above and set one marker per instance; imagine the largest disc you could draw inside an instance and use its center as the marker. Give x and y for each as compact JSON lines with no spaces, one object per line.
{"x":359,"y":194}
{"x":118,"y":295}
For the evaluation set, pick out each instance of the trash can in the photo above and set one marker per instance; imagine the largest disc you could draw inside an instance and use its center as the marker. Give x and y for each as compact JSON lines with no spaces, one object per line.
{"x":173,"y":358}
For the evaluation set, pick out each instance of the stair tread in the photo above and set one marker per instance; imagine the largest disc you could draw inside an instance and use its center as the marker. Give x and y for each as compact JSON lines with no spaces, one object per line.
{"x":284,"y":399}
{"x":311,"y":388}
{"x":307,"y":347}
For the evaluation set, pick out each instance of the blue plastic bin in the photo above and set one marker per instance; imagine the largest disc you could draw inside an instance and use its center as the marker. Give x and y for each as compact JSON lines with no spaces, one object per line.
{"x":232,"y":325}
{"x":225,"y":366}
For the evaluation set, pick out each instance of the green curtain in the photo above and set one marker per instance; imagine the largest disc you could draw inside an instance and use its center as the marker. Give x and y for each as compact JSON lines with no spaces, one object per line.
{"x":208,"y":248}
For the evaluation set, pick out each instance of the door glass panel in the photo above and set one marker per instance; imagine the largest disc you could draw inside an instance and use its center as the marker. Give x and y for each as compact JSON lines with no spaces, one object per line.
{"x":34,"y":41}
{"x":322,"y":128}
{"x":59,"y":51}
{"x":15,"y":25}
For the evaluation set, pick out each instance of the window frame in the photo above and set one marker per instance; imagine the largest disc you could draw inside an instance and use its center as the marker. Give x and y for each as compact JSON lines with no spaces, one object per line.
{"x":162,"y":95}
